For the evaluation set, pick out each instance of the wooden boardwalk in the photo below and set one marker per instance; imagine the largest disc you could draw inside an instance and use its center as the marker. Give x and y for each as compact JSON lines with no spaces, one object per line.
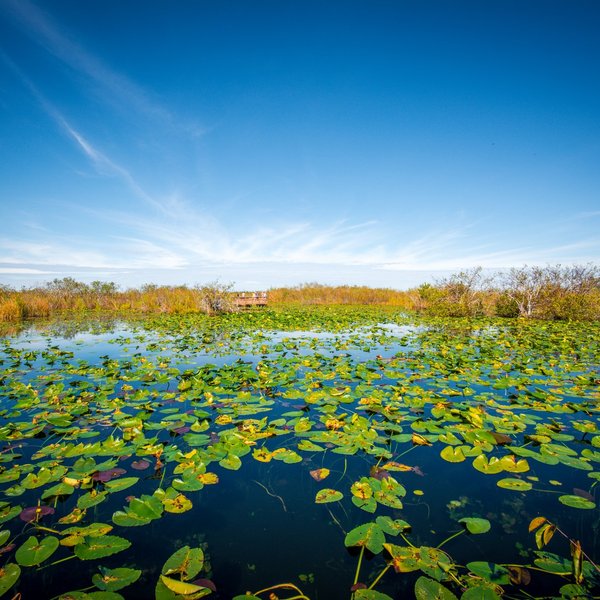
{"x":250,"y":299}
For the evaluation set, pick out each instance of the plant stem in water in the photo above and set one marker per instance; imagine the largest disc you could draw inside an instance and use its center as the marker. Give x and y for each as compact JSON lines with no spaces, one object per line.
{"x":380,"y":576}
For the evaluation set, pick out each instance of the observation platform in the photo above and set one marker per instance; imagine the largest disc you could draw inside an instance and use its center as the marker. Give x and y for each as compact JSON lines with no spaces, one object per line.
{"x":250,"y":299}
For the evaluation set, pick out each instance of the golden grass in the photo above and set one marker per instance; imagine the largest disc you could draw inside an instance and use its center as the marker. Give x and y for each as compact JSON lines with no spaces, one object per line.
{"x":449,"y":298}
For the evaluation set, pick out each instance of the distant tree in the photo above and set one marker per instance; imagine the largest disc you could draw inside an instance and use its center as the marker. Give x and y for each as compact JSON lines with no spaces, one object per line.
{"x":103,"y":288}
{"x":572,"y":292}
{"x":554,"y":291}
{"x":215,"y":297}
{"x":67,"y":286}
{"x":524,"y":286}
{"x":460,"y":294}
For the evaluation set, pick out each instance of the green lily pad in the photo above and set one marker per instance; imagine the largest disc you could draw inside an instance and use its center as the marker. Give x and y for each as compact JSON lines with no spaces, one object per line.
{"x":368,"y":535}
{"x":480,"y":592}
{"x":552,"y":563}
{"x":404,"y":558}
{"x":35,"y":480}
{"x":176,"y":503}
{"x":33,"y":552}
{"x":571,"y":590}
{"x":139,"y":512}
{"x":387,"y":499}
{"x":475,"y":525}
{"x":489,"y":466}
{"x":490,"y":572}
{"x":576,"y":502}
{"x":117,"y":485}
{"x":231,"y":462}
{"x":186,"y":563}
{"x":9,"y":512}
{"x":517,"y":485}
{"x":9,"y":575}
{"x":453,"y":454}
{"x":392,"y":526}
{"x":328,"y":495}
{"x":60,"y":489}
{"x":90,"y":499}
{"x":429,"y":589}
{"x":100,"y":547}
{"x":129,"y":519}
{"x":368,"y":504}
{"x":112,"y":580}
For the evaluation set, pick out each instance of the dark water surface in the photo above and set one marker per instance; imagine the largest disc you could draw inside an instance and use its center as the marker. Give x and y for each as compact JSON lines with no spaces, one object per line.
{"x":260,"y":525}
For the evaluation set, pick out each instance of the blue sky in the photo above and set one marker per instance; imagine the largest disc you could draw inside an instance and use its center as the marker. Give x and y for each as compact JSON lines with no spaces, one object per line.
{"x":272,"y":143}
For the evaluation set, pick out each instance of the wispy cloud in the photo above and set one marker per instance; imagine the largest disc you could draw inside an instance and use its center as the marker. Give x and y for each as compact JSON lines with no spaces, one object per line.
{"x":114,"y":87}
{"x":190,"y":242}
{"x":104,"y":164}
{"x":101,"y":162}
{"x":23,"y":271}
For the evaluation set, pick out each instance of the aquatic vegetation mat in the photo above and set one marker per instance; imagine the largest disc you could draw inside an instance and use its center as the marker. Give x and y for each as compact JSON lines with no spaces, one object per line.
{"x":307,"y":453}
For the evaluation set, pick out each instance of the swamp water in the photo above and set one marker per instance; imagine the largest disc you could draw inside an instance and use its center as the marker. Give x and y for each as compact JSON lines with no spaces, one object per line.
{"x":319,"y":448}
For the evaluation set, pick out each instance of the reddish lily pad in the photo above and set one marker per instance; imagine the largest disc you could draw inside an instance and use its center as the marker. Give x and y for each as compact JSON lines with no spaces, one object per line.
{"x":34,"y":513}
{"x":140,"y":465}
{"x":104,"y":476}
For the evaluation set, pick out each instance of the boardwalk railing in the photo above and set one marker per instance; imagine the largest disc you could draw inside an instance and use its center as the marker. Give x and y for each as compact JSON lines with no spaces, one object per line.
{"x":249,"y":299}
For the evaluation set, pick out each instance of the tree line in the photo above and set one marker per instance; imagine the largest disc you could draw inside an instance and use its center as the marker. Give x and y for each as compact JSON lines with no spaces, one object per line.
{"x":550,"y":292}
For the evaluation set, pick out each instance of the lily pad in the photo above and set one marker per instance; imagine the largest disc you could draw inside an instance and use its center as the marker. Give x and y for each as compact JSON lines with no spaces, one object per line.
{"x":404,"y":558}
{"x":453,"y":454}
{"x":490,"y":572}
{"x":576,"y":502}
{"x":429,"y":589}
{"x":480,"y":592}
{"x":9,"y":575}
{"x":392,"y":526}
{"x":112,"y":580}
{"x":35,"y":513}
{"x":368,"y":535}
{"x":319,"y":474}
{"x":33,"y":552}
{"x":475,"y":525}
{"x":184,"y":588}
{"x":186,"y":563}
{"x":100,"y":547}
{"x":517,"y":485}
{"x":328,"y":495}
